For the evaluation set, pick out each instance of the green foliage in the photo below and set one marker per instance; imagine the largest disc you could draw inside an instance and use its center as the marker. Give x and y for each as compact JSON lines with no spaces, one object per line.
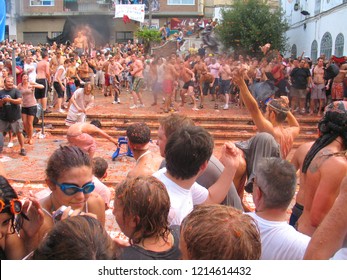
{"x":147,"y":36}
{"x":249,"y":24}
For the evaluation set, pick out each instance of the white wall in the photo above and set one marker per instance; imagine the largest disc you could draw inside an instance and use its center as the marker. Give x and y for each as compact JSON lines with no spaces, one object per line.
{"x":332,"y":19}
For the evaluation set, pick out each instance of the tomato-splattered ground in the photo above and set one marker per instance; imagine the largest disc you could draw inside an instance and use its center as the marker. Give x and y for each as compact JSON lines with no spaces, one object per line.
{"x":28,"y":173}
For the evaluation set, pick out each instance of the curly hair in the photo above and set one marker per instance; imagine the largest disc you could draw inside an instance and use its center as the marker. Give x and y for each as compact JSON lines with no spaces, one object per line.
{"x":219,"y":232}
{"x":139,"y":133}
{"x":332,"y":125}
{"x":147,"y":198}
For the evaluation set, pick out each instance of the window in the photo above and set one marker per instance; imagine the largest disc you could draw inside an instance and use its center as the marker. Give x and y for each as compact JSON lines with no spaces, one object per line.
{"x":317,"y":7}
{"x":122,"y":37}
{"x":294,"y":52}
{"x":181,"y":2}
{"x":326,"y":45}
{"x":314,"y":51}
{"x":41,"y":2}
{"x":56,"y":34}
{"x":339,"y":44}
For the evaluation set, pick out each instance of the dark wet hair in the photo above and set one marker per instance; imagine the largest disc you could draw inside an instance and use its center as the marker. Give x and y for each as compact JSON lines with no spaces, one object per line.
{"x":97,"y":123}
{"x":147,"y":198}
{"x":186,"y":150}
{"x":139,"y":133}
{"x":65,"y":158}
{"x":332,"y":125}
{"x":76,"y":238}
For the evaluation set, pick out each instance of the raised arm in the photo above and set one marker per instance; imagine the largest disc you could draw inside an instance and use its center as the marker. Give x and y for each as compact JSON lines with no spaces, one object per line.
{"x":260,"y":121}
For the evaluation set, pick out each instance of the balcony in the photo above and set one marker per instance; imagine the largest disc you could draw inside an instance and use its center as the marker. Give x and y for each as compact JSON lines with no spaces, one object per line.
{"x":66,"y":7}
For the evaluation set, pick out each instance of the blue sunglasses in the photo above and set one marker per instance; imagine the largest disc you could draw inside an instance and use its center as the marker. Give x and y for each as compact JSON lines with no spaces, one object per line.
{"x":71,"y":189}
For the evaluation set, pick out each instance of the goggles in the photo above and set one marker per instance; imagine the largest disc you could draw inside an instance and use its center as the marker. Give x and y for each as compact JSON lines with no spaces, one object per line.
{"x":71,"y":189}
{"x":266,"y":102}
{"x":15,"y":206}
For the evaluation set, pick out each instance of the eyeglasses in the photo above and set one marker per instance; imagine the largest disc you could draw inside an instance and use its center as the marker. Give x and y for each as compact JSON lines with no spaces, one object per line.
{"x":71,"y":189}
{"x":15,"y":206}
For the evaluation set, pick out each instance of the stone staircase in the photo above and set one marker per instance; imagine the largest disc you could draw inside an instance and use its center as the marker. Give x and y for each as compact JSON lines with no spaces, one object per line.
{"x":222,"y":128}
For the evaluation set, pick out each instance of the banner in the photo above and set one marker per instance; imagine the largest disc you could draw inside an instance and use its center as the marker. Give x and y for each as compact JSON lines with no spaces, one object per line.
{"x":134,"y":12}
{"x":2,"y":19}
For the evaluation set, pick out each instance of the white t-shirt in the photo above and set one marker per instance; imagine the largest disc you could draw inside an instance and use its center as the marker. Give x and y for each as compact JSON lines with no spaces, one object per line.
{"x":102,"y":190}
{"x":182,"y":200}
{"x":279,"y":240}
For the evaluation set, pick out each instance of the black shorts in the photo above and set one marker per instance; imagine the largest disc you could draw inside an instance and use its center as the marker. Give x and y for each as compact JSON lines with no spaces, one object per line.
{"x":188,"y":84}
{"x":30,"y":111}
{"x":58,"y":89}
{"x":41,"y":92}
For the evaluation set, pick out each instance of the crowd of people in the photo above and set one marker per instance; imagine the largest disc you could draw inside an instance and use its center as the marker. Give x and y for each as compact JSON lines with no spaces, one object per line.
{"x":191,"y":207}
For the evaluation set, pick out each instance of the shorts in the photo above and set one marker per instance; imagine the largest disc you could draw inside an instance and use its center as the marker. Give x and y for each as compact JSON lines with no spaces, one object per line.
{"x":58,"y":89}
{"x":83,"y":141}
{"x":30,"y":111}
{"x":15,"y":127}
{"x":297,"y":92}
{"x":107,"y":80}
{"x":318,"y":92}
{"x":188,"y":84}
{"x":206,"y":88}
{"x":41,"y":92}
{"x":224,"y":86}
{"x":138,"y":84}
{"x":168,"y":86}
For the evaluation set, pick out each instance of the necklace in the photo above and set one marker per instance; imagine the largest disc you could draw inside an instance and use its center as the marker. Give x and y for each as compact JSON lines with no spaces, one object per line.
{"x":141,"y":156}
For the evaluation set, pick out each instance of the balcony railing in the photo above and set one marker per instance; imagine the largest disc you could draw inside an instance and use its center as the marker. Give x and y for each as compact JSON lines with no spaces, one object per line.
{"x":66,"y":7}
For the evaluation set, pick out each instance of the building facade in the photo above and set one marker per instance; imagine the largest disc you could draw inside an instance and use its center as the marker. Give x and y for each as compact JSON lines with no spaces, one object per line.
{"x":38,"y":20}
{"x":316,"y":27}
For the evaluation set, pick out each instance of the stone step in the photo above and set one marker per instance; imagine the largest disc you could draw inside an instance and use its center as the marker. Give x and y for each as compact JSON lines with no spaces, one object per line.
{"x":222,"y":128}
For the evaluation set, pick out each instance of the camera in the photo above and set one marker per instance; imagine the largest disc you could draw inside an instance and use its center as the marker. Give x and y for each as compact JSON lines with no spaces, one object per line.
{"x":59,"y":213}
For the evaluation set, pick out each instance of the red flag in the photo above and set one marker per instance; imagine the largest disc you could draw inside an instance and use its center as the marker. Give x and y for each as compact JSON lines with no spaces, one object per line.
{"x":126,"y":19}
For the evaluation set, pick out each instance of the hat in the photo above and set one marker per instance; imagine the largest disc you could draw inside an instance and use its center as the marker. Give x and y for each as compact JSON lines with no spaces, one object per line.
{"x":211,"y":54}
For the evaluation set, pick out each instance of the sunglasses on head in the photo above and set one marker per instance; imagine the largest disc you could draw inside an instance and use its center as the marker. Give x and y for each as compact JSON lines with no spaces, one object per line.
{"x":15,"y":206}
{"x":71,"y":189}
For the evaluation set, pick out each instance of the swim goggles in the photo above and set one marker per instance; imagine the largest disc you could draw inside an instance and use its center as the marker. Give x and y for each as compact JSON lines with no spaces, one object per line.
{"x":71,"y":189}
{"x":15,"y":206}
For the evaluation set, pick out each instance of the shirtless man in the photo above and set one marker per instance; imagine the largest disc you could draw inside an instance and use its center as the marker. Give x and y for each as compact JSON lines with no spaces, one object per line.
{"x":83,"y":69}
{"x":114,"y":70}
{"x":106,"y":77}
{"x":277,"y":112}
{"x":139,"y":136}
{"x":324,"y":167}
{"x":80,"y":43}
{"x":337,"y":85}
{"x":188,"y":77}
{"x":318,"y":87}
{"x":100,"y":75}
{"x":43,"y":77}
{"x":206,"y":85}
{"x":137,"y":73}
{"x":79,"y":134}
{"x":169,"y":79}
{"x":297,"y":161}
{"x":331,"y":234}
{"x":225,"y":78}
